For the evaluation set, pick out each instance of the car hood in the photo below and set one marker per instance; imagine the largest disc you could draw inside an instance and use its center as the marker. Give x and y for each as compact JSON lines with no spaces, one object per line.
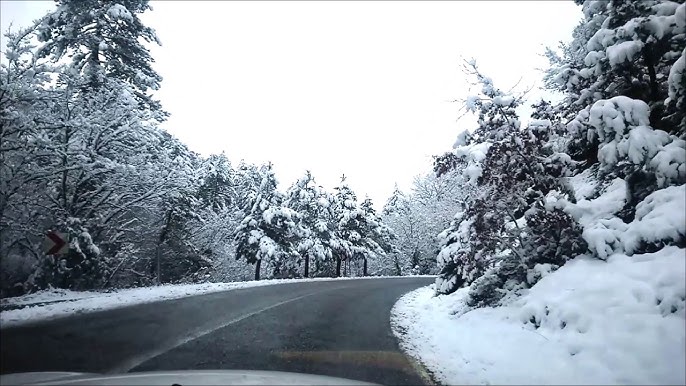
{"x":186,"y":377}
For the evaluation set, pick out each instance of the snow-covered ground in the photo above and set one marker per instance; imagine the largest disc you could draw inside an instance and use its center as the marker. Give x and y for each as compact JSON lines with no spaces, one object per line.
{"x":614,"y":322}
{"x":54,"y":303}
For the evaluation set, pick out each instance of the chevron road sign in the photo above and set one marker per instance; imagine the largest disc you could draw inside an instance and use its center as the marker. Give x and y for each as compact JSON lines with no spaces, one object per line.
{"x":55,"y":243}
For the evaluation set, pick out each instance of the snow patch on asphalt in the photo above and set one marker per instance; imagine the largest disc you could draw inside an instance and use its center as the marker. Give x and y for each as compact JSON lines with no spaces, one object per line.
{"x":50,"y":304}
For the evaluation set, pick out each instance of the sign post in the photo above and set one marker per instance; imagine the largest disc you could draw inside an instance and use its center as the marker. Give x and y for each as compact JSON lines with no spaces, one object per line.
{"x":55,"y":243}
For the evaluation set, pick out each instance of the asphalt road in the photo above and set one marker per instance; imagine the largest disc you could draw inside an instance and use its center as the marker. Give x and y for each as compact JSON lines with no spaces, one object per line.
{"x":335,"y":328}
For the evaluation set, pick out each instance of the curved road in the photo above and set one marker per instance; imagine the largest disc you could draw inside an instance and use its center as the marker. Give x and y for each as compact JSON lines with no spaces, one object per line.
{"x":336,"y":328}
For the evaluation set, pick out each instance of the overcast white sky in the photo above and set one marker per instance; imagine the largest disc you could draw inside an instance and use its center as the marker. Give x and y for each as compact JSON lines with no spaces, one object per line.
{"x":360,"y":88}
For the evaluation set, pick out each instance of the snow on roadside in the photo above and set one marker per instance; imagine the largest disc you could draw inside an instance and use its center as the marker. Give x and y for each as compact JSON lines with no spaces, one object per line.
{"x":47,"y":296}
{"x":55,"y":303}
{"x":619,"y":321}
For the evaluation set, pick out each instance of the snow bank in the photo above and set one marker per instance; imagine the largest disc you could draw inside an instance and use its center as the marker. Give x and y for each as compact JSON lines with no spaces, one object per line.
{"x":620,"y":321}
{"x":47,"y":296}
{"x":55,"y":303}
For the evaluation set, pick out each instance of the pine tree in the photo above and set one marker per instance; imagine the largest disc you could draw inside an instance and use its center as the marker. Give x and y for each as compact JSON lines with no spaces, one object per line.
{"x":631,"y":48}
{"x":514,"y":170}
{"x":309,"y":201}
{"x":217,"y":190}
{"x":394,"y":202}
{"x":270,"y":231}
{"x":622,"y":123}
{"x":468,"y":245}
{"x":400,"y":215}
{"x":247,"y":180}
{"x":378,"y":239}
{"x":346,"y":216}
{"x":623,"y":48}
{"x":103,"y":40}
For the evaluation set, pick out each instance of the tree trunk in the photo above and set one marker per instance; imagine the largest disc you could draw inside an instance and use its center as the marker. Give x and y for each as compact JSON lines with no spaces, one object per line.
{"x":160,"y":241}
{"x":338,"y":267}
{"x":63,"y":182}
{"x":158,"y":270}
{"x":415,"y":258}
{"x":648,"y":56}
{"x":307,"y":266}
{"x":257,"y":269}
{"x":364,"y":267}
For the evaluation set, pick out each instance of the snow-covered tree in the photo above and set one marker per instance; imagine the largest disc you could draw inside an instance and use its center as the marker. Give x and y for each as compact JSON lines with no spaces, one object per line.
{"x":622,"y":78}
{"x":311,"y":203}
{"x":91,"y":162}
{"x":270,"y":231}
{"x":247,"y":181}
{"x":24,"y":96}
{"x":398,"y":214}
{"x":623,"y":48}
{"x":395,"y":202}
{"x":217,"y":189}
{"x":469,"y":246}
{"x":514,"y":169}
{"x":417,"y":217}
{"x":623,"y":96}
{"x":360,"y":234}
{"x":91,"y":186}
{"x":378,"y":239}
{"x":347,"y":217}
{"x":103,"y":40}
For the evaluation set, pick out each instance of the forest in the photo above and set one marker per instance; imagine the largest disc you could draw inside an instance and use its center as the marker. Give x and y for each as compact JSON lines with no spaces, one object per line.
{"x":83,"y":150}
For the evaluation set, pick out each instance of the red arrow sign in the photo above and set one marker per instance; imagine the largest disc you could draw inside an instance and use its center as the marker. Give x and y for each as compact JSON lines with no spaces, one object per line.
{"x":58,"y":243}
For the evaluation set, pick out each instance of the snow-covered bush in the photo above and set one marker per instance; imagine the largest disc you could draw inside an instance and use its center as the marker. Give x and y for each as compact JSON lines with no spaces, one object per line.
{"x":550,"y":239}
{"x":505,"y":228}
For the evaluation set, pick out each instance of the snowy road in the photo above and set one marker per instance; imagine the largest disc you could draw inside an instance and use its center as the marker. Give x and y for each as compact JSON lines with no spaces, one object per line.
{"x":337,"y":328}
